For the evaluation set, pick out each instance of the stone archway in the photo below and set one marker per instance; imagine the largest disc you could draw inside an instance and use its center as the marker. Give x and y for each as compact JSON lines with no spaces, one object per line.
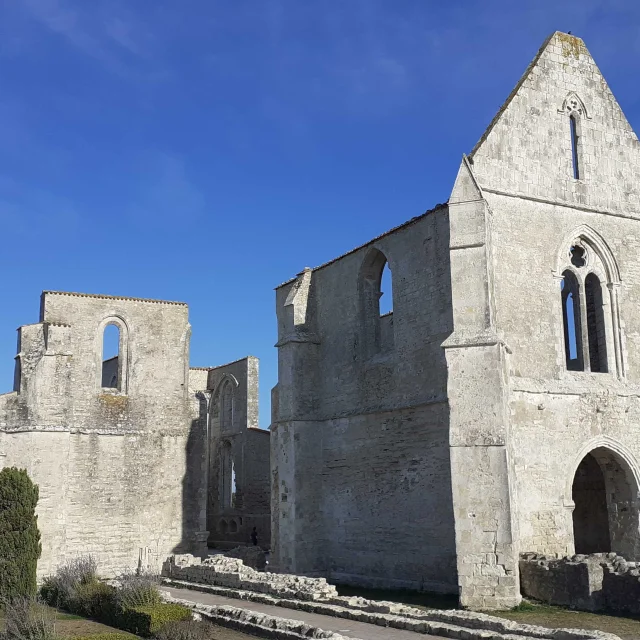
{"x":606,"y":515}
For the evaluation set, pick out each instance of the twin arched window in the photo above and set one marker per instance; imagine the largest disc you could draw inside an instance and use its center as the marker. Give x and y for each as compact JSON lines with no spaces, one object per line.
{"x":588,"y":285}
{"x":584,"y":319}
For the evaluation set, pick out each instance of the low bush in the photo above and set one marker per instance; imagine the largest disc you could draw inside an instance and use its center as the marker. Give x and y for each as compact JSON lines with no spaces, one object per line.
{"x":106,"y":636}
{"x":60,"y":590}
{"x":148,"y":621}
{"x":29,"y":619}
{"x":186,"y":630}
{"x":139,"y":591}
{"x":95,"y":600}
{"x":135,"y":605}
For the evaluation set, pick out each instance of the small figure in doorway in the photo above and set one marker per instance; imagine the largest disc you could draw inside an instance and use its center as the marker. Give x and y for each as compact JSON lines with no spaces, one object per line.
{"x":254,"y":537}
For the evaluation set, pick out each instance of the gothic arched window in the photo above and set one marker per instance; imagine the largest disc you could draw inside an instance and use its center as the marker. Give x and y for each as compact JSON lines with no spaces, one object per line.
{"x":377,"y":327}
{"x":226,"y":405}
{"x":589,"y":291}
{"x":113,"y":354}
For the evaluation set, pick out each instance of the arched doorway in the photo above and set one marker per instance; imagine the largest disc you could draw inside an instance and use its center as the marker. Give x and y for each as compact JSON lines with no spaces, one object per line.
{"x":605,"y":495}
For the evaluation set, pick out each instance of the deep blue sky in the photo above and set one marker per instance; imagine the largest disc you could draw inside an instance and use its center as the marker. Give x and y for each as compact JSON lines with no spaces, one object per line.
{"x":207,"y":150}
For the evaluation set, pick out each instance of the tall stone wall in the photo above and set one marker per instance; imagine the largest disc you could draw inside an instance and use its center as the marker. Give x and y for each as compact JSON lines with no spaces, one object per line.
{"x":476,"y":353}
{"x":239,"y":455}
{"x":361,"y":487}
{"x":119,"y":470}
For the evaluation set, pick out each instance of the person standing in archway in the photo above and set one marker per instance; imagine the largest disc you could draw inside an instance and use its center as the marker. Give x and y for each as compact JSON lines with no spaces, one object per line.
{"x":254,"y":537}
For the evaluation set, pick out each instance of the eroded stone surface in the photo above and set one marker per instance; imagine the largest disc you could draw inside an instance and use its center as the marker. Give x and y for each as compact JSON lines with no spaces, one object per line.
{"x":463,"y":625}
{"x":427,"y":447}
{"x":232,"y":572}
{"x":119,"y":449}
{"x":251,"y":556}
{"x":596,"y":582}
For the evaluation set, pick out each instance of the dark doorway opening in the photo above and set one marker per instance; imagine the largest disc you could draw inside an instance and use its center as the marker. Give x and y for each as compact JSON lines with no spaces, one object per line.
{"x":590,"y":516}
{"x":606,"y":517}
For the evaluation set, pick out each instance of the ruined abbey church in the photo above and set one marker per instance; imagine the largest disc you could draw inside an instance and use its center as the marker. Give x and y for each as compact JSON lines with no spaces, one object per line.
{"x":495,"y":411}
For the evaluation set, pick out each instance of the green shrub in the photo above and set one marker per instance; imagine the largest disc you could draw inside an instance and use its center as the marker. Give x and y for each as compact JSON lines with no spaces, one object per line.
{"x":29,"y":619}
{"x":186,"y":630}
{"x":95,"y":600}
{"x":106,"y":636}
{"x":139,"y":591}
{"x":20,"y":545}
{"x":60,"y":590}
{"x":147,"y":621}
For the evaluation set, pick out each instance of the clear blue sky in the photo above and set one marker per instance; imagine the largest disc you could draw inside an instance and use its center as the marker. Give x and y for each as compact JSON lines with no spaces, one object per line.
{"x":207,"y":150}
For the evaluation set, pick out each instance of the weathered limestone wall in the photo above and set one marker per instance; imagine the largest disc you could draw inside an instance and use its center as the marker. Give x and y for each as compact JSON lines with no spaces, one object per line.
{"x":598,"y":582}
{"x":118,"y":469}
{"x":575,"y":411}
{"x":474,"y":354}
{"x":231,"y":579}
{"x":232,"y":572}
{"x":539,"y":210}
{"x":239,"y":456}
{"x":527,"y":148}
{"x":361,"y":488}
{"x":483,"y":502}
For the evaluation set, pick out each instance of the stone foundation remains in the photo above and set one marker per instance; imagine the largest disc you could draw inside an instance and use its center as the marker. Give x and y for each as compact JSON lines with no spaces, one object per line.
{"x":596,"y":582}
{"x":229,"y":578}
{"x":232,"y":572}
{"x":252,"y":556}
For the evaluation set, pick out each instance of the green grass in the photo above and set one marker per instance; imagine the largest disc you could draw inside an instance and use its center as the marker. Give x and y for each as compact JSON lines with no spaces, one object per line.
{"x":69,"y":625}
{"x":627,"y":628}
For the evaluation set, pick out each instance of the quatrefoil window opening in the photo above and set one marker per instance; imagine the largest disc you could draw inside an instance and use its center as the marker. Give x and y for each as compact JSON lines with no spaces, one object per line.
{"x":574,"y":106}
{"x":578,"y":255}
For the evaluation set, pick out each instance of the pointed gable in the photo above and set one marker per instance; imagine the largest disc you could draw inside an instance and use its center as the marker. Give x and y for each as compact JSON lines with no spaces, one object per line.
{"x":532,"y":147}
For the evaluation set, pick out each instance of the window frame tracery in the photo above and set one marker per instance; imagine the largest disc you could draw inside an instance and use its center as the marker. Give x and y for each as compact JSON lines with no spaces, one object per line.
{"x":603,"y":324}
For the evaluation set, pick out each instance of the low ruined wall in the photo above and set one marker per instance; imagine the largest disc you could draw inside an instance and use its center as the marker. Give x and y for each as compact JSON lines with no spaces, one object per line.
{"x":232,"y":572}
{"x":457,"y":625}
{"x":596,"y":582}
{"x":621,"y":589}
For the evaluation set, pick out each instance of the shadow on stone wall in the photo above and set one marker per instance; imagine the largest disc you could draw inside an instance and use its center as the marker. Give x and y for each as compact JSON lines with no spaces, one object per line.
{"x":194,"y":485}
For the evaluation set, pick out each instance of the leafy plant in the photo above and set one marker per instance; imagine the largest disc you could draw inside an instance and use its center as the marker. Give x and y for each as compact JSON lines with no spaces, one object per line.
{"x":26,"y":618}
{"x":139,"y":591}
{"x":95,"y":600}
{"x":20,"y":546}
{"x":61,"y":589}
{"x":148,"y":621}
{"x":186,"y":630}
{"x":115,"y":635}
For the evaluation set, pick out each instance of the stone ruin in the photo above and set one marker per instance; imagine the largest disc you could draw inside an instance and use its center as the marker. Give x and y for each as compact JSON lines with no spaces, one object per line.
{"x":251,"y":556}
{"x":229,"y":572}
{"x":595,"y":582}
{"x":229,"y":577}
